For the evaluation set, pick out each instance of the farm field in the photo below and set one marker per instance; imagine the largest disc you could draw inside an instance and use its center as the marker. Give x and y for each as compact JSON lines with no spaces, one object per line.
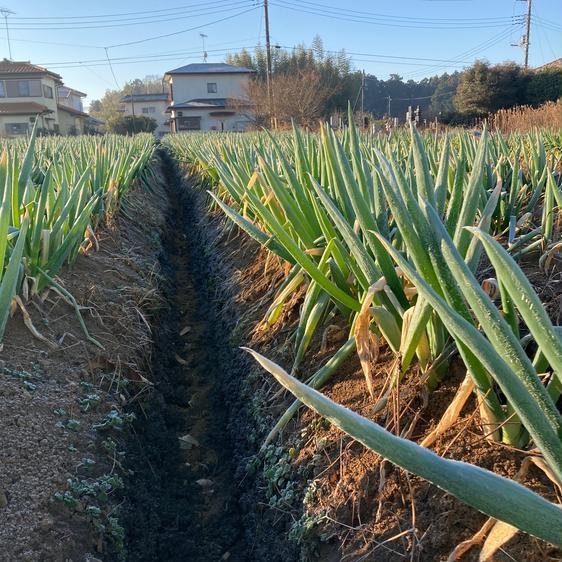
{"x":282,"y":346}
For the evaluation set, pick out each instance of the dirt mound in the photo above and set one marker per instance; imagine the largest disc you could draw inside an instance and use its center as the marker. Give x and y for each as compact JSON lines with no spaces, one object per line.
{"x":53,"y":460}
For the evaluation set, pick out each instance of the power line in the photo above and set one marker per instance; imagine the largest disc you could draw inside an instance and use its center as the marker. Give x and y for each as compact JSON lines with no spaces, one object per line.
{"x":64,"y":64}
{"x":117,"y":15}
{"x":111,"y":68}
{"x":286,"y":4}
{"x":340,"y":10}
{"x":381,"y":55}
{"x":182,"y":30}
{"x":480,"y":48}
{"x":231,"y":6}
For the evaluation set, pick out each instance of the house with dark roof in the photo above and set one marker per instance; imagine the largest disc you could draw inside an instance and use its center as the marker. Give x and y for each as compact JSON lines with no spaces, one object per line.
{"x":150,"y":105}
{"x":209,"y":97}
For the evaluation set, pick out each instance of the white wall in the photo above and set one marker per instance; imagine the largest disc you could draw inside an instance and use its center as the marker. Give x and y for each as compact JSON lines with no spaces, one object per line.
{"x":236,"y":122}
{"x":159,"y":115}
{"x":194,"y":86}
{"x":51,"y":103}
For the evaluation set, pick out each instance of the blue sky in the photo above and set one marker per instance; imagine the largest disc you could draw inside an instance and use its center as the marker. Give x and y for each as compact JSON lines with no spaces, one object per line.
{"x":389,"y":36}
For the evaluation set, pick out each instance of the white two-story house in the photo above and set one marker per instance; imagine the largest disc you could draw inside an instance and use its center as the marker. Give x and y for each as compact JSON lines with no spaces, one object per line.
{"x":150,"y":105}
{"x":208,"y":97}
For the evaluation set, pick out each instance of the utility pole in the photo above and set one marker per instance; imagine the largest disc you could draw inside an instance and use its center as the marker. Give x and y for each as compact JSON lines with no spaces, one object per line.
{"x":389,"y":100}
{"x":525,"y":40}
{"x":203,"y":37}
{"x":528,"y":32}
{"x":133,"y":109}
{"x":268,"y":58}
{"x":5,"y":12}
{"x":362,"y":94}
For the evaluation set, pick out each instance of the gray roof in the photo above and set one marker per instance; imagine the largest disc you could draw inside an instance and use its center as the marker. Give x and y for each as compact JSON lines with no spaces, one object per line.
{"x":161,"y":96}
{"x":210,"y":68}
{"x":209,"y":103}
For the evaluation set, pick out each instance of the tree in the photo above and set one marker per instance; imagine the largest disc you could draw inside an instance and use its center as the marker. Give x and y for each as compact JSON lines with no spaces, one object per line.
{"x":150,"y":84}
{"x":484,"y":89}
{"x":300,"y":97}
{"x":442,"y":97}
{"x":129,"y":125}
{"x":543,"y":86}
{"x":331,"y":72}
{"x":109,"y":108}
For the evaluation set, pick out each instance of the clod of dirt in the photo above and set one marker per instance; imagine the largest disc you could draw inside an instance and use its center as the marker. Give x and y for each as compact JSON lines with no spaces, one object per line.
{"x":205,"y":482}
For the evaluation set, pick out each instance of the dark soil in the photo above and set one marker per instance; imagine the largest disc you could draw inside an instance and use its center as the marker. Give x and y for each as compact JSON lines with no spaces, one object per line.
{"x":171,"y":516}
{"x":190,"y":497}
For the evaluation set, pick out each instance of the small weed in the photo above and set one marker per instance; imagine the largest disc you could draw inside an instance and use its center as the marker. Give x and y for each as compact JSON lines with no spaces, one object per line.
{"x":72,"y":425}
{"x":89,"y":402}
{"x":115,"y":420}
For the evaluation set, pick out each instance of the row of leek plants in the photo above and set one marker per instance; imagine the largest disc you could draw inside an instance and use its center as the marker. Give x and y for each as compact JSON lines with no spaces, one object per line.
{"x":54,"y":192}
{"x":381,"y":231}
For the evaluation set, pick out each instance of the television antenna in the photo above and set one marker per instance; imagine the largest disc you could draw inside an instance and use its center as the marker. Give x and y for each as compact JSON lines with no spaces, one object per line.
{"x":5,"y":12}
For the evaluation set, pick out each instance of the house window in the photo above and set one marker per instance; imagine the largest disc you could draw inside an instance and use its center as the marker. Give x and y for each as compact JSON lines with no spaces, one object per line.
{"x":23,"y":88}
{"x":2,"y":89}
{"x":150,"y":109}
{"x":48,"y":91}
{"x":17,"y":128}
{"x":189,"y":123}
{"x":211,"y":87}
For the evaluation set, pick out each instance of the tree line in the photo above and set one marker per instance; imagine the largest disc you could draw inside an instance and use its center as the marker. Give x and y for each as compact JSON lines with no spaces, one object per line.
{"x":309,"y":83}
{"x":313,"y":83}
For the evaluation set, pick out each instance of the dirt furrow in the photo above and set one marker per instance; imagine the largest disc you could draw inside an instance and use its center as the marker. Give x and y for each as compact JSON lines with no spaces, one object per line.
{"x":183,"y":496}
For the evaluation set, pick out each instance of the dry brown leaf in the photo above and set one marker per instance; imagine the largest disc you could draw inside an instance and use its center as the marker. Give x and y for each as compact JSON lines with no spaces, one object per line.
{"x":363,"y":334}
{"x":540,"y":463}
{"x":499,"y":535}
{"x":476,"y":539}
{"x":489,"y":423}
{"x":452,"y":412}
{"x":28,"y":322}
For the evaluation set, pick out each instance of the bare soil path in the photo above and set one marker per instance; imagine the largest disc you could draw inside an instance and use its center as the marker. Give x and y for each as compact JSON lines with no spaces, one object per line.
{"x":183,"y":497}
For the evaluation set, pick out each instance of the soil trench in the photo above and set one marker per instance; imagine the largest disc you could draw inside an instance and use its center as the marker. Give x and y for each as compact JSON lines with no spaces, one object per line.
{"x":183,"y":496}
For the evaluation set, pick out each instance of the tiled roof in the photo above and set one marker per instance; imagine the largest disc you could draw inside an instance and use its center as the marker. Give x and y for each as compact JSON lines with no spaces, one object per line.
{"x":209,"y":103}
{"x":210,"y":68}
{"x":161,"y":96}
{"x":71,"y":110}
{"x":23,"y":108}
{"x":24,"y":67}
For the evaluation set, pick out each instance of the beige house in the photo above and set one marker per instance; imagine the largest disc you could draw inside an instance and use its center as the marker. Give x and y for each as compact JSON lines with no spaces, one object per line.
{"x":73,"y":120}
{"x":208,"y":97}
{"x":27,"y":93}
{"x":150,"y":105}
{"x":30,"y":93}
